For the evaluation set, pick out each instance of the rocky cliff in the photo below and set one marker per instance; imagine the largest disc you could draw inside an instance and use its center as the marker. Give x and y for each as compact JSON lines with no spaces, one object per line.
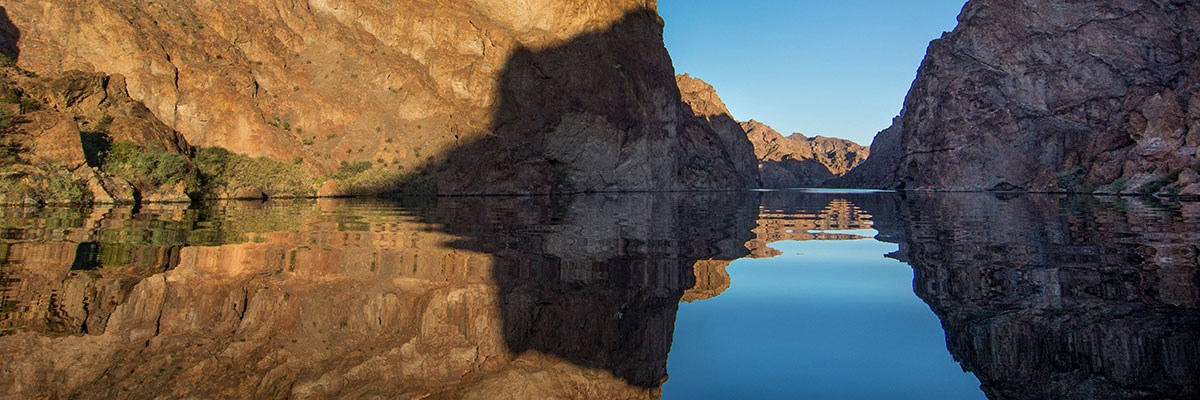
{"x":1047,"y":95}
{"x":713,"y":127}
{"x":57,"y":135}
{"x":459,"y":97}
{"x":797,"y":160}
{"x":878,"y":170}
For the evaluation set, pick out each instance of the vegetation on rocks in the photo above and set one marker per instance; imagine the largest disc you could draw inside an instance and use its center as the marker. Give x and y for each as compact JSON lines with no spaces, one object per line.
{"x":149,"y":167}
{"x":223,"y":173}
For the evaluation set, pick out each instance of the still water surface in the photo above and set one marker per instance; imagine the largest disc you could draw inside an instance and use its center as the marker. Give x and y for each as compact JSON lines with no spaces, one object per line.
{"x":679,"y":296}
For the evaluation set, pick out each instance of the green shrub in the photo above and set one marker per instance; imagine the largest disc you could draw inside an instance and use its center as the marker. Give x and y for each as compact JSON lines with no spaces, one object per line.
{"x":29,"y":105}
{"x":57,"y":186}
{"x":375,"y":182}
{"x":1120,"y":183}
{"x":147,"y":168}
{"x":1157,"y":184}
{"x":224,"y":171}
{"x":105,"y":123}
{"x":8,"y":155}
{"x":348,"y":170}
{"x":7,"y":119}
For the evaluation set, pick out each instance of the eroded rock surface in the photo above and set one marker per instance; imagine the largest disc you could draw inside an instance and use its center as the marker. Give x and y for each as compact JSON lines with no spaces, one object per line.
{"x":1047,"y":95}
{"x":485,"y":96}
{"x":800,"y":161}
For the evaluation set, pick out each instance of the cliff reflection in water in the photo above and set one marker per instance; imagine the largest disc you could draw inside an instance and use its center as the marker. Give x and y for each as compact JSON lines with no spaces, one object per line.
{"x":454,"y":298}
{"x":1048,"y":297}
{"x":570,"y":297}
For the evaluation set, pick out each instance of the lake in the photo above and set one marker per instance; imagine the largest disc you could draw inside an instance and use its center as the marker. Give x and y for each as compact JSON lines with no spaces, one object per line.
{"x":771,"y":294}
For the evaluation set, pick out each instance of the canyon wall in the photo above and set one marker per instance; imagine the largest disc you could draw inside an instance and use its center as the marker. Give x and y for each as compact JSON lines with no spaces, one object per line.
{"x":482,"y":96}
{"x":800,"y":161}
{"x":1049,"y":95}
{"x":878,"y":171}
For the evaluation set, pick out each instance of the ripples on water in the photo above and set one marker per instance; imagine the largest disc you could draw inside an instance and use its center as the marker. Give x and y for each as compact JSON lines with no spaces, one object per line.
{"x":579,"y":297}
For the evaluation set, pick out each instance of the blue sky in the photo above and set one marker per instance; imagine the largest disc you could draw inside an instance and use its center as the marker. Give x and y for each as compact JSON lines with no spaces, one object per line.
{"x":832,"y":68}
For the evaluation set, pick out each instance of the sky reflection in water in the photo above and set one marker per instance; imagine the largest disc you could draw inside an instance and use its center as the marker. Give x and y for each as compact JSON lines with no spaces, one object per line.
{"x":719,"y":295}
{"x":826,"y":319}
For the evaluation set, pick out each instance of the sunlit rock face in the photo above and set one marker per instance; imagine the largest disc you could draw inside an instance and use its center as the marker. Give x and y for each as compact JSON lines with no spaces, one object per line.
{"x":1050,"y":95}
{"x":465,"y":298}
{"x":481,"y":96}
{"x":1065,"y":298}
{"x":52,"y":125}
{"x":714,"y":134}
{"x":800,"y":161}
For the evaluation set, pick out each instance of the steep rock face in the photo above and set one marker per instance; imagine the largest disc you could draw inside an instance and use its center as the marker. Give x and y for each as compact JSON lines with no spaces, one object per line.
{"x":797,"y":160}
{"x":713,"y":127}
{"x":479,"y":96}
{"x":56,"y":130}
{"x":879,"y":170}
{"x":1048,"y":95}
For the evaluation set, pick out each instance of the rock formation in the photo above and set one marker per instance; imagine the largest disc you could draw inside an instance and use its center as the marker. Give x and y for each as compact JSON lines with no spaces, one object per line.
{"x":57,"y":129}
{"x":1050,"y":96}
{"x":800,"y":161}
{"x":710,"y":120}
{"x":485,"y":96}
{"x":879,"y":170}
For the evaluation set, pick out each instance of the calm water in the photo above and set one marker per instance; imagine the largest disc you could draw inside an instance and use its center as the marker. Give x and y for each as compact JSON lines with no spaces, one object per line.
{"x":677,"y":296}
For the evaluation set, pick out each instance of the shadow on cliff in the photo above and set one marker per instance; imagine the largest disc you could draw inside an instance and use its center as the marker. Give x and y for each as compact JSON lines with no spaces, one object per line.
{"x":9,"y":37}
{"x":600,"y":112}
{"x":595,"y":280}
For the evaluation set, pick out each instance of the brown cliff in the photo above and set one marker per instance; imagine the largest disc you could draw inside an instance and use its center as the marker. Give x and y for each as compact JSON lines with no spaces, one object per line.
{"x":459,"y":97}
{"x":1058,"y":96}
{"x":711,"y":123}
{"x":56,"y":133}
{"x":800,"y":161}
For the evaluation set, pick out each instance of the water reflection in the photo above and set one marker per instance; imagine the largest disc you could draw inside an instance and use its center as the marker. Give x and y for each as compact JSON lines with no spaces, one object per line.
{"x":1063,"y":297}
{"x":569,"y":297}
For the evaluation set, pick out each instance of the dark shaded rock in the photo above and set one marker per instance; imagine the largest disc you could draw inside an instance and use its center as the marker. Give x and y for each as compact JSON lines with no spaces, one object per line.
{"x":1057,"y":96}
{"x":487,"y":96}
{"x":879,"y":170}
{"x":716,"y":137}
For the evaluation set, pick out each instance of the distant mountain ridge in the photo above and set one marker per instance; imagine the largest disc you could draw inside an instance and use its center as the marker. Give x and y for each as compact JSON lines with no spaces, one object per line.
{"x":798,"y":160}
{"x":782,"y":162}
